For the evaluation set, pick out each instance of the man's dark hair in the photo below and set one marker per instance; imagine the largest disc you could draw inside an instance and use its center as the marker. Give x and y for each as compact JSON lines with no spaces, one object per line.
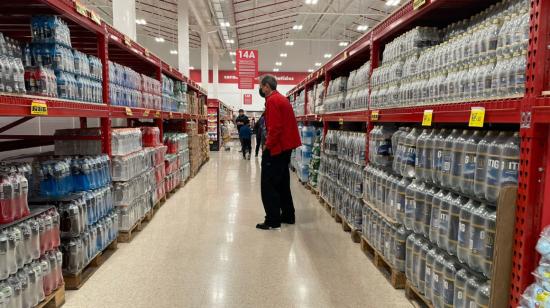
{"x":241,"y":110}
{"x":270,"y":81}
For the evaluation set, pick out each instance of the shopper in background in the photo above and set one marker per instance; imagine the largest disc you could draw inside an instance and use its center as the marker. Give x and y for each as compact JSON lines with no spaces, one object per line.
{"x":282,"y":138}
{"x":241,"y":120}
{"x":245,"y":134}
{"x":259,"y":130}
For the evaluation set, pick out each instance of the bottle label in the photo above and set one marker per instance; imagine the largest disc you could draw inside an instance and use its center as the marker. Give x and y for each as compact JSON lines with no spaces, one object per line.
{"x":509,"y":172}
{"x":493,"y":170}
{"x":469,"y":166}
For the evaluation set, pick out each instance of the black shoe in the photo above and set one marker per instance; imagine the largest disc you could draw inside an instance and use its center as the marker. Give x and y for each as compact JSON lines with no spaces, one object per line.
{"x":288,"y":221}
{"x":266,"y":226}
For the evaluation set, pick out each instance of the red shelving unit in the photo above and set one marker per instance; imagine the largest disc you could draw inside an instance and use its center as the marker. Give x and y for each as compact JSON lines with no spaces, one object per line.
{"x":531,"y":112}
{"x":89,"y":34}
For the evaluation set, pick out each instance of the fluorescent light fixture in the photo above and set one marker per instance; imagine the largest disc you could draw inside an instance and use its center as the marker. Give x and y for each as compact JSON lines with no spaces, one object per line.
{"x":275,"y":69}
{"x":310,"y":70}
{"x":327,"y":55}
{"x":392,"y":2}
{"x":297,"y":27}
{"x":318,"y":63}
{"x":233,"y":62}
{"x":284,"y":55}
{"x":343,"y":44}
{"x":230,"y":41}
{"x":278,"y":63}
{"x":191,"y":68}
{"x":232,"y":53}
{"x":311,"y":2}
{"x":225,"y":24}
{"x":362,"y":27}
{"x":289,"y":43}
{"x":173,"y":52}
{"x":141,"y":21}
{"x":159,"y":39}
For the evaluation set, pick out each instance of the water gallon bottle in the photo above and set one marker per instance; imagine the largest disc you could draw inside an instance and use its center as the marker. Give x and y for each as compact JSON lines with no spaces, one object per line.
{"x":400,"y":200}
{"x":494,"y":166}
{"x":469,"y":164}
{"x":481,"y":164}
{"x":447,"y":156}
{"x":409,"y":154}
{"x":510,"y":167}
{"x":454,"y":223}
{"x":437,"y":150}
{"x":451,"y":267}
{"x":444,"y":221}
{"x":430,"y":262}
{"x":420,"y":207}
{"x":438,"y":280}
{"x":420,"y":165}
{"x":410,"y":204}
{"x":461,"y":278}
{"x":489,"y":240}
{"x":17,"y":297}
{"x":464,"y":230}
{"x":411,"y":239}
{"x":473,"y":285}
{"x":424,"y":249}
{"x":457,"y":159}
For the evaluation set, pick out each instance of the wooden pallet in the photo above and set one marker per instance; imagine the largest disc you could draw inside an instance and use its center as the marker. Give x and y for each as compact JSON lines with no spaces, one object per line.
{"x":127,"y":236}
{"x":148,"y":216}
{"x":54,"y":300}
{"x":417,"y":299}
{"x":76,"y":281}
{"x":396,"y":278}
{"x":336,"y":216}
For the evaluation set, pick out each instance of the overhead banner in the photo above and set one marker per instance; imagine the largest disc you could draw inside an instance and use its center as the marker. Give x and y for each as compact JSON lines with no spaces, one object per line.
{"x":247,"y":99}
{"x":247,"y":68}
{"x":283,"y":78}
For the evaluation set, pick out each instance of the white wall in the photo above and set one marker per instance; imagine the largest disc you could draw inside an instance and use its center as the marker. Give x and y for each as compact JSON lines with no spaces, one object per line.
{"x":231,"y":95}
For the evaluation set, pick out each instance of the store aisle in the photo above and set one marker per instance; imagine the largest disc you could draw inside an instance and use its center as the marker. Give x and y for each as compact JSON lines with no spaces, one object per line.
{"x":202,"y":250}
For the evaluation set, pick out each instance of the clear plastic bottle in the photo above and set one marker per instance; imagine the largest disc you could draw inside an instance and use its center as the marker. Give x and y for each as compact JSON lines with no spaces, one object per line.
{"x":410,"y":204}
{"x":481,"y":164}
{"x":494,"y":166}
{"x":438,"y":148}
{"x":467,"y":174}
{"x":447,"y":158}
{"x":420,"y":166}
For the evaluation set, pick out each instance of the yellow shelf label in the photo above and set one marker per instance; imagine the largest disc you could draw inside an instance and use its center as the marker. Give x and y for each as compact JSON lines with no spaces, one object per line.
{"x":341,"y":121}
{"x":146,"y":113}
{"x":81,"y":9}
{"x":477,"y":117}
{"x":418,"y":4}
{"x":95,"y":17}
{"x":427,"y":118}
{"x":171,"y":115}
{"x":39,"y":108}
{"x":375,"y":115}
{"x":128,"y":111}
{"x":146,"y":52}
{"x":127,"y":41}
{"x":157,"y":114}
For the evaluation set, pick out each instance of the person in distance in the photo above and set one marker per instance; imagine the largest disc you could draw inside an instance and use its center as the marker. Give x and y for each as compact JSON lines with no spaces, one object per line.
{"x":245,"y":134}
{"x":259,"y":130}
{"x":282,"y":138}
{"x":241,"y":120}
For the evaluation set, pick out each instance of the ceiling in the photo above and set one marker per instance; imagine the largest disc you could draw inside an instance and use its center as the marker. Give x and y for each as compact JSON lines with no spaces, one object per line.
{"x":265,"y":25}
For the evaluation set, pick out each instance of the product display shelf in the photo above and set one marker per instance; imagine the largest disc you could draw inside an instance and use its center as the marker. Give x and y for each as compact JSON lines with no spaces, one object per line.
{"x":217,"y":112}
{"x":34,"y":211}
{"x":530,"y":111}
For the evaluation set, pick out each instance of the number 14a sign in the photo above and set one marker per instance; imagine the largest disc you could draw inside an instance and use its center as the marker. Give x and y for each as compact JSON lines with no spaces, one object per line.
{"x":247,"y":67}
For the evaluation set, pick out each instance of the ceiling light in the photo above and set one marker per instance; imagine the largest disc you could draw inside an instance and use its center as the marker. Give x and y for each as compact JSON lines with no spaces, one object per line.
{"x":275,"y":69}
{"x":289,"y":43}
{"x":230,"y":41}
{"x":310,"y":70}
{"x":232,"y":53}
{"x":392,"y":2}
{"x":173,"y":52}
{"x":343,"y":44}
{"x":284,"y":55}
{"x":233,"y":62}
{"x":318,"y":63}
{"x":225,"y":24}
{"x":191,"y":68}
{"x":159,"y":39}
{"x":311,"y":2}
{"x":327,"y":55}
{"x":141,"y":21}
{"x":362,"y":27}
{"x":297,"y":27}
{"x":278,"y":63}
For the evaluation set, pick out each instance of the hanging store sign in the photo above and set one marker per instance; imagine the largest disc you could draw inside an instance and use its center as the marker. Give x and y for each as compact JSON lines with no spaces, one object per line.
{"x":247,"y":99}
{"x":247,"y":68}
{"x":39,"y":108}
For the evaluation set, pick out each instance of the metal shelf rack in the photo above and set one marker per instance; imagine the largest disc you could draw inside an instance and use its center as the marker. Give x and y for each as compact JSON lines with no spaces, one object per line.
{"x":530,"y":112}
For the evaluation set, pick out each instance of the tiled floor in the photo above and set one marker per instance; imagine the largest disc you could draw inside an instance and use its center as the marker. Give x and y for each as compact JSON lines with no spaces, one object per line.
{"x":202,"y":250}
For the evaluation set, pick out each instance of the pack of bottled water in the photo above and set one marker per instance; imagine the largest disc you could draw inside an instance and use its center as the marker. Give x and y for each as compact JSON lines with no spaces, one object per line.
{"x":129,"y":214}
{"x":176,"y":142}
{"x":76,"y":146}
{"x":173,"y":95}
{"x":357,"y":96}
{"x":132,"y":89}
{"x":129,"y":166}
{"x":14,"y":197}
{"x":125,"y":141}
{"x":478,"y":58}
{"x":50,"y":29}
{"x":335,"y":97}
{"x":538,"y":293}
{"x":41,"y":81}
{"x":11,"y":66}
{"x":315,"y":162}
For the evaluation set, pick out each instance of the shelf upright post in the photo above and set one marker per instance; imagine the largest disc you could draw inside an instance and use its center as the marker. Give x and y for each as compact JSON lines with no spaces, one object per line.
{"x":158,"y":121}
{"x":103,"y":54}
{"x":531,"y":213}
{"x":374,"y":59}
{"x":305,"y":101}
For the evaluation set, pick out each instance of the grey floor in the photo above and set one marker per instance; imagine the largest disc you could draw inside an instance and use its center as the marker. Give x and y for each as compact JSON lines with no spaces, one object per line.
{"x":202,"y":250}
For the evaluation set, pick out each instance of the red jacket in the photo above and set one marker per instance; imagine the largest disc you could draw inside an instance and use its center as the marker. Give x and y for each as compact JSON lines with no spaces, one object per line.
{"x":282,"y":129}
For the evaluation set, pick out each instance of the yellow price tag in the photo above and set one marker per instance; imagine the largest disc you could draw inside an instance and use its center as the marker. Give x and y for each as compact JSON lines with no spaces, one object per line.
{"x":146,"y":113}
{"x":427,"y":118}
{"x":157,"y":114}
{"x":127,"y":41}
{"x":171,"y":115}
{"x":80,"y":8}
{"x":375,"y":115}
{"x":128,"y":111}
{"x":95,"y":17}
{"x":341,"y":121}
{"x":477,"y":117}
{"x":146,"y":52}
{"x":39,"y":108}
{"x":418,"y":4}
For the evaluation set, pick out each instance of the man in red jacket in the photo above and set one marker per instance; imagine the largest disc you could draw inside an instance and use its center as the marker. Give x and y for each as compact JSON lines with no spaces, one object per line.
{"x":282,"y":138}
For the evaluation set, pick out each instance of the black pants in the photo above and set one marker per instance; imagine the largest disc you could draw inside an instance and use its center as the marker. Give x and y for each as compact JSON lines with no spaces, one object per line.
{"x":276,"y":195}
{"x":258,"y":145}
{"x":246,"y":146}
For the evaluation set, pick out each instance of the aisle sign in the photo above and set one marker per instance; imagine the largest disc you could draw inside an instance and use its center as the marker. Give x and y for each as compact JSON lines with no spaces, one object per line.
{"x":477,"y":117}
{"x":39,"y":108}
{"x":247,"y":68}
{"x":247,"y":99}
{"x":427,"y":118}
{"x":374,"y":115}
{"x":418,"y":4}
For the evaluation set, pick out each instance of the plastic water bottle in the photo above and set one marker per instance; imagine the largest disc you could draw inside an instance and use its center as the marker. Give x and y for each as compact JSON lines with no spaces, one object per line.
{"x":438,"y":148}
{"x":509,"y":160}
{"x":420,"y":166}
{"x":447,"y":158}
{"x":409,"y":154}
{"x":469,"y":164}
{"x":481,"y":164}
{"x":494,"y":166}
{"x":457,"y":159}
